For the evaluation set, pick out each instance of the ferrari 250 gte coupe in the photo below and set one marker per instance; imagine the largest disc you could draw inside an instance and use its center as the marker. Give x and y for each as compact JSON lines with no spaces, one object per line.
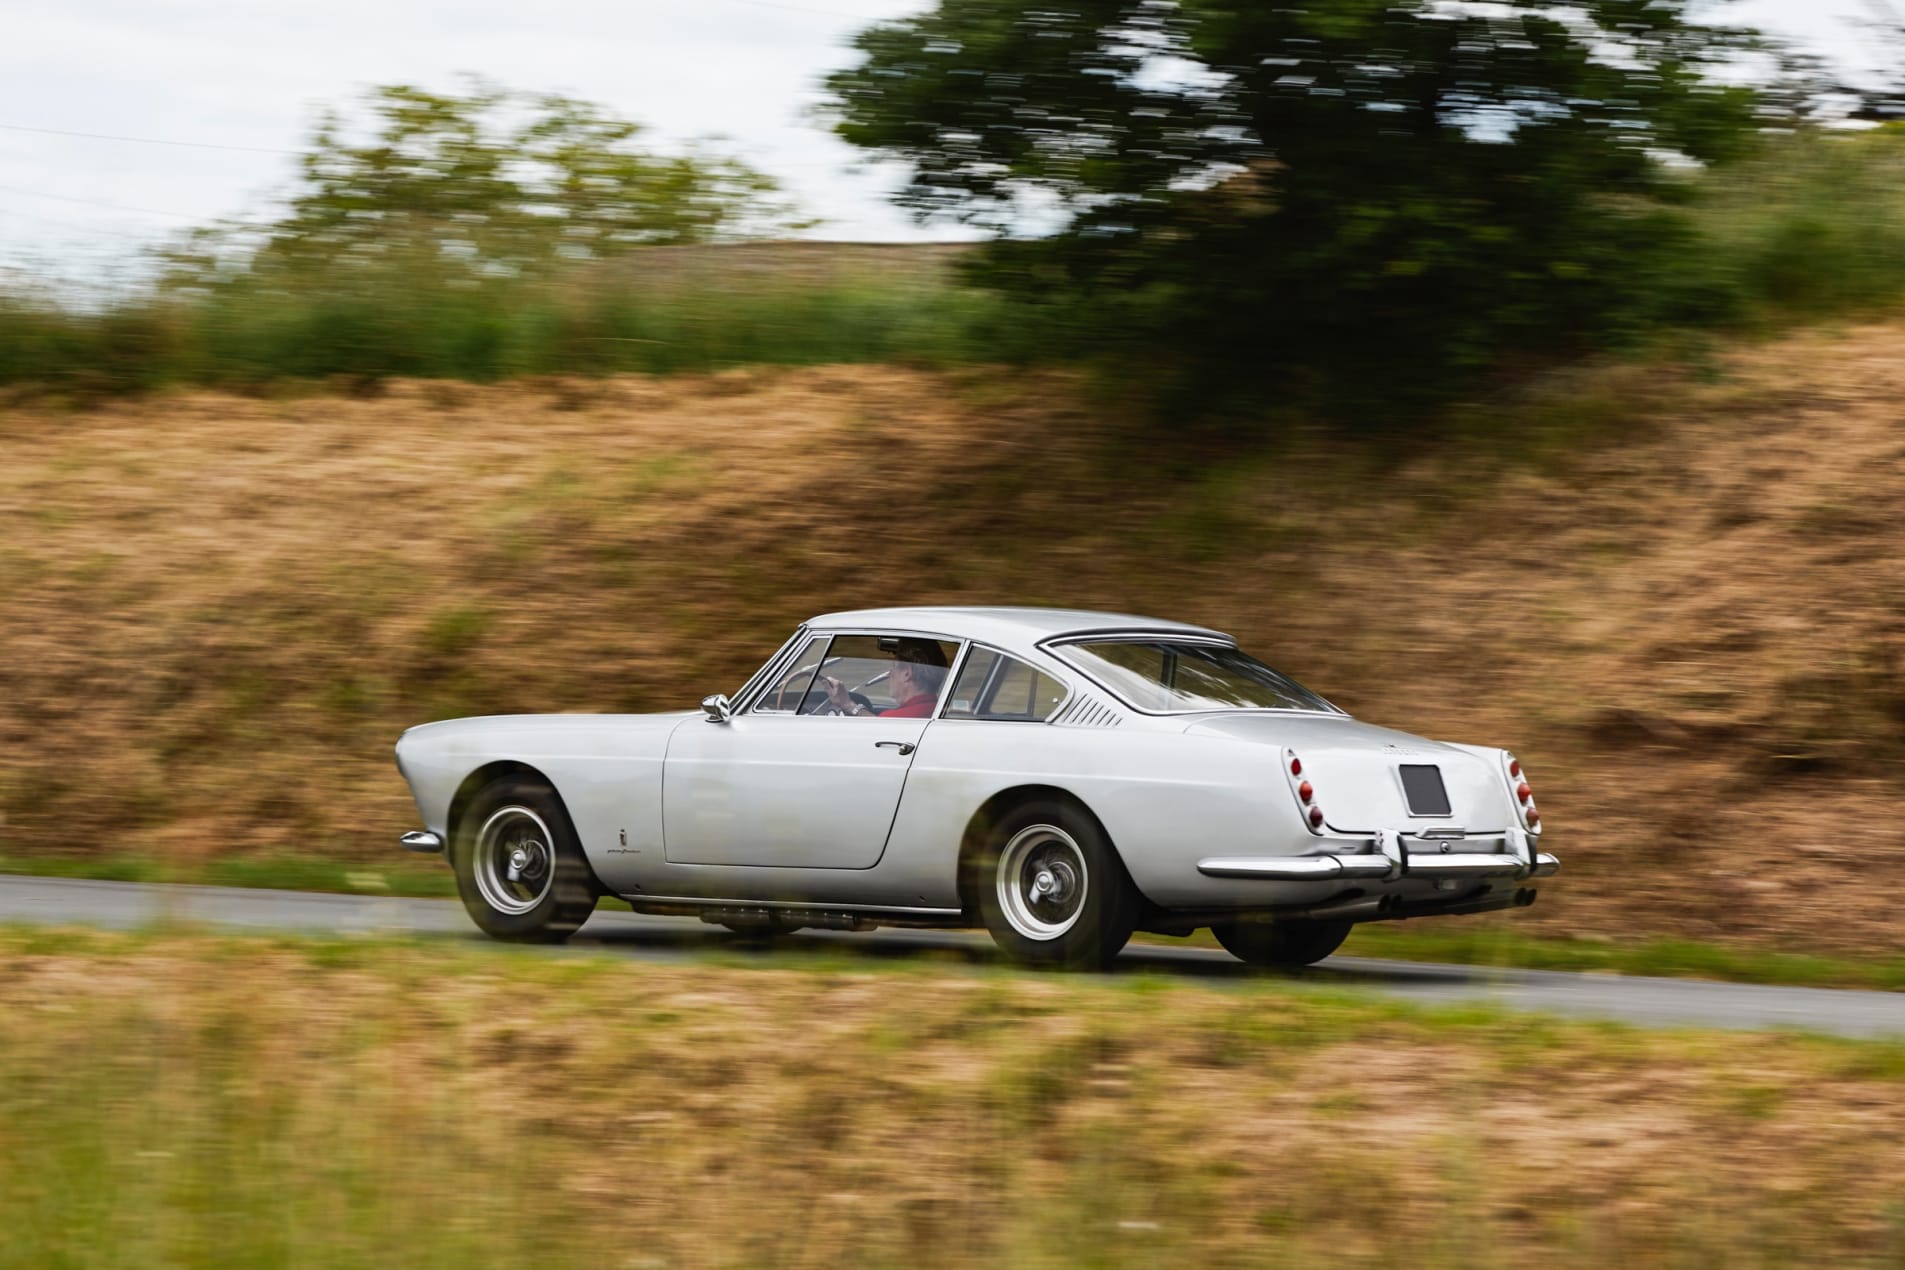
{"x":1061,"y":778}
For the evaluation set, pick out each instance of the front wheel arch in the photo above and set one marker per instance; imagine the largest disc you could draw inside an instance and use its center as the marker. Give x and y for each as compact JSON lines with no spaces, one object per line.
{"x":510,"y":769}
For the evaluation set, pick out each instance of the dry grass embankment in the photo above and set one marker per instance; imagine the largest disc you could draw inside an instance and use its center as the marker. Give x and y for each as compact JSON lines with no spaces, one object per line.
{"x":318,"y":1103}
{"x":216,"y":612}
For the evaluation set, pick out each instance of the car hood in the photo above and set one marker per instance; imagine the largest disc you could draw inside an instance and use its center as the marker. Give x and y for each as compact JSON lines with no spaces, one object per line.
{"x":530,"y":736}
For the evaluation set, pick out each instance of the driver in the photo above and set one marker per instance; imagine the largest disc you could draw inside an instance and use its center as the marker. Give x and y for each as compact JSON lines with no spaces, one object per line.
{"x":919,"y":668}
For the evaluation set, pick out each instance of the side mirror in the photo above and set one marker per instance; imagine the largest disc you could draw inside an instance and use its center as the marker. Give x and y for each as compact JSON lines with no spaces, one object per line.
{"x":718,"y":708}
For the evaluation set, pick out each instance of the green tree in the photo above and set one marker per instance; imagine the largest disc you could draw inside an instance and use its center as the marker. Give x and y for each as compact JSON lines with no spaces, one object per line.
{"x":493,"y":184}
{"x":1372,"y":201}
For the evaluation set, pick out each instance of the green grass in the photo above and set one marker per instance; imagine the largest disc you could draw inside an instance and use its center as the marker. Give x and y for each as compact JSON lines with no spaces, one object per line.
{"x":188,"y":1099}
{"x":1810,"y":227}
{"x":419,"y":877}
{"x":367,"y":327}
{"x":1456,"y":940}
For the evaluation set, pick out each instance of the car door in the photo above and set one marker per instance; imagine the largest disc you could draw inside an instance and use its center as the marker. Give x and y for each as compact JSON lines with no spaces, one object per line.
{"x":787,"y":781}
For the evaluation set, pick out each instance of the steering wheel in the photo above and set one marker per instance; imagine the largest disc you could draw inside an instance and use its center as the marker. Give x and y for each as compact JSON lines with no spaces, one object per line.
{"x":821,"y":703}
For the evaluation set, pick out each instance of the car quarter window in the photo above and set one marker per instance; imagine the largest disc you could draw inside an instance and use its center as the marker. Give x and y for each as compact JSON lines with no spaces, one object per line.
{"x":995,"y":687}
{"x":784,"y":694}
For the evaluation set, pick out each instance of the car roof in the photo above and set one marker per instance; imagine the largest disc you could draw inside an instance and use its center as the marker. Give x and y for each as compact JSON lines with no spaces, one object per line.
{"x":1002,"y":625}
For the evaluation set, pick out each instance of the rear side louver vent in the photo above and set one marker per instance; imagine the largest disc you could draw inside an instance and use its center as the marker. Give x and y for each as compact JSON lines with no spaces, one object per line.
{"x":1087,"y":712}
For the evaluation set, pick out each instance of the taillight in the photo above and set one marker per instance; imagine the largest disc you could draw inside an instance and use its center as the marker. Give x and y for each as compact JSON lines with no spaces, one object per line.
{"x":1304,"y":791}
{"x":1523,"y":792}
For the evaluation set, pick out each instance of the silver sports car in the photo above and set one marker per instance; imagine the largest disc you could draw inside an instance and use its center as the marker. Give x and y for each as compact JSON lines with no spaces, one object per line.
{"x":1062,"y":778}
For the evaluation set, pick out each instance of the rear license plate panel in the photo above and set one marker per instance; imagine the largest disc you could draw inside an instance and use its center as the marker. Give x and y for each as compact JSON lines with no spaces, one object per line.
{"x":1423,"y":788}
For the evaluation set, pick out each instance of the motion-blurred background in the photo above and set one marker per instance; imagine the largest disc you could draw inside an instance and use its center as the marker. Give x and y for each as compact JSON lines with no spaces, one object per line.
{"x":1517,"y":374}
{"x":1509,"y":374}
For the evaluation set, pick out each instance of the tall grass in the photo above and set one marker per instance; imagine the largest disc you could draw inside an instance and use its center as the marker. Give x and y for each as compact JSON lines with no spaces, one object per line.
{"x":177,"y":1100}
{"x":1813,"y":225}
{"x":425,"y":322}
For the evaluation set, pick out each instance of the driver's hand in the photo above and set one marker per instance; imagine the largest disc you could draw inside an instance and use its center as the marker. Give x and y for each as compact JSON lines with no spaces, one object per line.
{"x":837,"y":693}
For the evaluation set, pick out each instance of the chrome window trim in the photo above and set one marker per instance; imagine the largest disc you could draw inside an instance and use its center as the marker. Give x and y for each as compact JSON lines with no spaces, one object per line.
{"x":833,"y":633}
{"x":767,"y":666}
{"x":952,"y":678}
{"x":785,"y":666}
{"x":1052,"y":643}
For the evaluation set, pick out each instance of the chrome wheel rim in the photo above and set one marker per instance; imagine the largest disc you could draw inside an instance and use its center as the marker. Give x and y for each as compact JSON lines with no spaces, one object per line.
{"x":515,"y":860}
{"x":1042,"y":882}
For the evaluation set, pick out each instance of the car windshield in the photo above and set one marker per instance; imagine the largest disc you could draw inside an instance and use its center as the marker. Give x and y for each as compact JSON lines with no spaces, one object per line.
{"x":1166,"y":676}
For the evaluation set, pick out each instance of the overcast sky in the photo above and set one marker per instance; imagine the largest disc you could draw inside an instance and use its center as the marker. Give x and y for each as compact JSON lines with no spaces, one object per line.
{"x":251,"y":74}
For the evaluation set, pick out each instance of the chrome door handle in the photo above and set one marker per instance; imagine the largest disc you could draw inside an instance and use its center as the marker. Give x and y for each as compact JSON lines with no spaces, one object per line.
{"x":904,"y":747}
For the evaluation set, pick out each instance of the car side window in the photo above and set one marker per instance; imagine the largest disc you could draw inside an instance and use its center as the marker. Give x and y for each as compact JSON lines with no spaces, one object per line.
{"x":1002,"y":689}
{"x":864,"y":666}
{"x":785,"y":694}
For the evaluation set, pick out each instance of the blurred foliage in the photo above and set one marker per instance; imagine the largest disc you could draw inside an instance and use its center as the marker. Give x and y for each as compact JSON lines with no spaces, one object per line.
{"x":376,"y":1101}
{"x":667,"y":309}
{"x":1812,"y":224}
{"x":1373,"y":202}
{"x":483,"y":185}
{"x":480,"y":236}
{"x":1411,"y":205}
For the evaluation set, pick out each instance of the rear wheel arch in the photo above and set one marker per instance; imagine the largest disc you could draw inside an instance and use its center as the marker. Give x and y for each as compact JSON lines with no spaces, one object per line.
{"x":990,"y":812}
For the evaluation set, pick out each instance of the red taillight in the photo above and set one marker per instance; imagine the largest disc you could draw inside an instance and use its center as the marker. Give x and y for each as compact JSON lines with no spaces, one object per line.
{"x":1532,"y":816}
{"x":1304,"y":791}
{"x":1316,"y":817}
{"x":1523,"y":792}
{"x":1514,"y":767}
{"x":1296,"y":766}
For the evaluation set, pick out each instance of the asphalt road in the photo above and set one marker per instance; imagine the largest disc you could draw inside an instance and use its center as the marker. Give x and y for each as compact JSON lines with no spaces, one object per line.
{"x":1643,"y":1001}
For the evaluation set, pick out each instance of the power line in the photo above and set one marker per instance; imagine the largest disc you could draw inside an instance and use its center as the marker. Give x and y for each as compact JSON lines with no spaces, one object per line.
{"x":13,"y":213}
{"x":93,"y":202}
{"x":802,"y":8}
{"x":155,"y":141}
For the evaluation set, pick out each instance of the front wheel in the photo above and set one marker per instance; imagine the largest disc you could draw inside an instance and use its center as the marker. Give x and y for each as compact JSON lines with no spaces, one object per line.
{"x":1286,"y":944}
{"x":1051,"y":889}
{"x":519,"y":868}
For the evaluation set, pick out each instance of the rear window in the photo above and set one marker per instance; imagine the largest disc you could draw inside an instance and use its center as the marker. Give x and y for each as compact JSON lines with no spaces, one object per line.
{"x":1171,"y":676}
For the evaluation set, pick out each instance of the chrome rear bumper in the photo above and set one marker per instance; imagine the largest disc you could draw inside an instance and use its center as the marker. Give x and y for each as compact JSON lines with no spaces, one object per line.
{"x":1392,"y":855}
{"x":421,"y":840}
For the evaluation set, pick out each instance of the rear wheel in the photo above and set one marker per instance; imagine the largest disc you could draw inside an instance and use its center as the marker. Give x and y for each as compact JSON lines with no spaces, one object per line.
{"x":1286,"y":944}
{"x":519,"y":867}
{"x":1051,"y":889}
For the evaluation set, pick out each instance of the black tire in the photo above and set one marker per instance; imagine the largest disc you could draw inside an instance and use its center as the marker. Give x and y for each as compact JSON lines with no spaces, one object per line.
{"x":555,"y":891}
{"x":1087,"y":920}
{"x":1285,"y":944}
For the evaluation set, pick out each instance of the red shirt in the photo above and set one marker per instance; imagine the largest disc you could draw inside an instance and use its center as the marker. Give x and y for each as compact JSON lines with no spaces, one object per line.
{"x":917,"y":706}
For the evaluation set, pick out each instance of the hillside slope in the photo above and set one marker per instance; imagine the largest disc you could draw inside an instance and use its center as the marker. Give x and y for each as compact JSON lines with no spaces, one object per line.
{"x":217,"y":612}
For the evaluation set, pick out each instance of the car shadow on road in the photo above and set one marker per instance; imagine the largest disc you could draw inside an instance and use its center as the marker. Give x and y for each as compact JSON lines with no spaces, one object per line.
{"x":672,"y":941}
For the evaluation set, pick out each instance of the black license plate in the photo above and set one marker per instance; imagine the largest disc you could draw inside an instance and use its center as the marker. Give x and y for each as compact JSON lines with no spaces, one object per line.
{"x":1422,"y":786}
